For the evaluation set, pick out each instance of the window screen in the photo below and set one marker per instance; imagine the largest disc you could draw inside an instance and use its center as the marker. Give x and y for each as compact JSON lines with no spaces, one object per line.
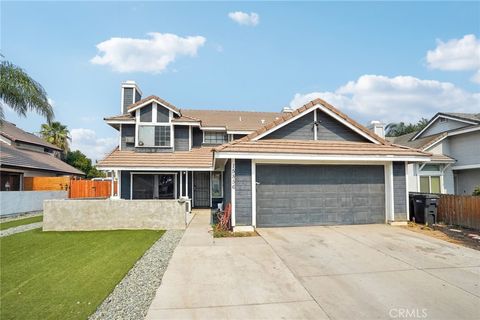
{"x":215,"y":137}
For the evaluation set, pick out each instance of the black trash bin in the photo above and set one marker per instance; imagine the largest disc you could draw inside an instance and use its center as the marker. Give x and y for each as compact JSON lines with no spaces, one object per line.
{"x":425,"y":208}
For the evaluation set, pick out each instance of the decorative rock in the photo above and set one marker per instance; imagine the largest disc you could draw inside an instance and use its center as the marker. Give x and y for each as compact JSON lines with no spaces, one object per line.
{"x":132,"y":297}
{"x":23,"y":228}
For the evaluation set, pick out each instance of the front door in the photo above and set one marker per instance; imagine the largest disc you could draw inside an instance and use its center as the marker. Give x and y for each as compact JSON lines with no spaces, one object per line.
{"x":201,"y":189}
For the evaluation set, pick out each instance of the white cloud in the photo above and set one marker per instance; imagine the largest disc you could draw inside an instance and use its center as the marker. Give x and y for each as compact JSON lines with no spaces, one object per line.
{"x":243,"y":18}
{"x":402,"y":98}
{"x":86,"y":140}
{"x":151,"y":55}
{"x":456,"y":54}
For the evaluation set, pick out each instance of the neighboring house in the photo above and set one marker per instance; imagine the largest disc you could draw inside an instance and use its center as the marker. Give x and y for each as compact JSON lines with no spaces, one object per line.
{"x":454,"y":140}
{"x":23,"y":154}
{"x":310,"y":166}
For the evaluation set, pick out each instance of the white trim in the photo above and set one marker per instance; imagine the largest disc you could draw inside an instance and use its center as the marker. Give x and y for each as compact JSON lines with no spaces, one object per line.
{"x":435,"y":119}
{"x":434,"y":143}
{"x":239,"y":131}
{"x":190,"y":124}
{"x":315,"y":127}
{"x":136,"y":169}
{"x":190,"y":139}
{"x":150,"y":101}
{"x":181,"y":183}
{"x":5,"y":140}
{"x":155,"y":112}
{"x":186,"y":184}
{"x":286,"y":156}
{"x":193,"y":191}
{"x":223,"y":129}
{"x":254,"y":193}
{"x":120,"y":121}
{"x":159,"y":124}
{"x":119,"y":184}
{"x":389,"y":201}
{"x":466,"y":130}
{"x":221,"y":184}
{"x":466,"y":167}
{"x":232,"y":193}
{"x":328,"y":112}
{"x":120,"y":139}
{"x":243,"y":229}
{"x":407,"y":199}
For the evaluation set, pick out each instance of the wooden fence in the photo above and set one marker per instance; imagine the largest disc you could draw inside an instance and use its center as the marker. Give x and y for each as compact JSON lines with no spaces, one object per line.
{"x":91,"y":189}
{"x":459,"y":210}
{"x":76,"y":188}
{"x":46,"y":183}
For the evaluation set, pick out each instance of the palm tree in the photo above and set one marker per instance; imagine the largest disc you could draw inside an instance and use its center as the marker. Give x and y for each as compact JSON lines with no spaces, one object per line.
{"x":22,"y":93}
{"x":57,"y":134}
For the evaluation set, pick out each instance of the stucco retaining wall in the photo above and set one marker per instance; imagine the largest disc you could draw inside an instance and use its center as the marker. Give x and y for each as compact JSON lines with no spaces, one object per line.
{"x":85,"y":215}
{"x":17,"y":202}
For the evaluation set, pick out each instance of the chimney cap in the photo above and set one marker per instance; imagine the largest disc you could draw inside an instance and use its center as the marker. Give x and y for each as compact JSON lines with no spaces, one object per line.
{"x":131,"y":84}
{"x":287,"y":109}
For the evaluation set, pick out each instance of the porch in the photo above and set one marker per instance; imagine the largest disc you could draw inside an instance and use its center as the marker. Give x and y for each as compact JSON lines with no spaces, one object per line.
{"x":203,"y":189}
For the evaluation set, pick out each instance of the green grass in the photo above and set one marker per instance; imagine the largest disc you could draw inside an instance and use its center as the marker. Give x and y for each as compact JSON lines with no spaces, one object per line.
{"x":65,"y":275}
{"x":20,"y":222}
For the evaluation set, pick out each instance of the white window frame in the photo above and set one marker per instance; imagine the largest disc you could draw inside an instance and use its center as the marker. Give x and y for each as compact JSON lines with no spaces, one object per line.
{"x":216,"y":132}
{"x":153,"y":123}
{"x":221,"y":184}
{"x":430,"y":174}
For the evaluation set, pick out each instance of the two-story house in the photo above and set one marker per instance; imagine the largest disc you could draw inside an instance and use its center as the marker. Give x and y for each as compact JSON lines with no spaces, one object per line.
{"x":454,"y":141}
{"x":309,"y":166}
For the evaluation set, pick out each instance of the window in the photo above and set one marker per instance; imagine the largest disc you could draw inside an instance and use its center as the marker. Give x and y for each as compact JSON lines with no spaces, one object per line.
{"x":430,"y":184}
{"x":154,"y":186}
{"x":214,"y":137}
{"x":217,"y":185}
{"x":154,"y":136}
{"x":431,"y":167}
{"x":146,"y":113}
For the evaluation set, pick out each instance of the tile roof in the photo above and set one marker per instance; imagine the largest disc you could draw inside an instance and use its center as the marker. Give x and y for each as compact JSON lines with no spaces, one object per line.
{"x":164,"y":102}
{"x":419,"y":143}
{"x":201,"y":158}
{"x":467,"y":116}
{"x":12,"y":156}
{"x":231,"y":120}
{"x":12,"y":132}
{"x":306,"y":107}
{"x":127,"y":116}
{"x":442,"y":158}
{"x":319,"y":147}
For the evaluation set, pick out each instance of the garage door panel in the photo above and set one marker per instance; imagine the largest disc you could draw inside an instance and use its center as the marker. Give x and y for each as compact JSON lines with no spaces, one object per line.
{"x":293,"y":195}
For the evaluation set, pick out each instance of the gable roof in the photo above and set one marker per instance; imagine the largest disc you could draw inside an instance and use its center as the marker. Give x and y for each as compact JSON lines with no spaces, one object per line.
{"x":420,"y":143}
{"x":468,"y":118}
{"x":152,"y":98}
{"x":314,"y":104}
{"x":13,"y":133}
{"x":15,"y":157}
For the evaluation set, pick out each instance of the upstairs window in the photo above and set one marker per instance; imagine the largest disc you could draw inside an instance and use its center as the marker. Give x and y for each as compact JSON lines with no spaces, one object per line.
{"x":214,"y":137}
{"x":154,"y":136}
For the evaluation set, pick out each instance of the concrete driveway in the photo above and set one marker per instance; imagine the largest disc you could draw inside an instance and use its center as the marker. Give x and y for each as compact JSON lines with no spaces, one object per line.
{"x":380,"y":272}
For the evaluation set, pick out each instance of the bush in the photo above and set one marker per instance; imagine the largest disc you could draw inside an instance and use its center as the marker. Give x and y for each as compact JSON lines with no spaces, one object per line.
{"x":476,"y":192}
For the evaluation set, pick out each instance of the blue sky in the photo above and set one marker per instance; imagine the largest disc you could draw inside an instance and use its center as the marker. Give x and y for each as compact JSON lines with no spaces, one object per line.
{"x":369,"y":59}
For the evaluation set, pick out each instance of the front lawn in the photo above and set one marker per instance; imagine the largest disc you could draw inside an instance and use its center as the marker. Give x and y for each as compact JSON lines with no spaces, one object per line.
{"x":65,"y":275}
{"x":20,"y":222}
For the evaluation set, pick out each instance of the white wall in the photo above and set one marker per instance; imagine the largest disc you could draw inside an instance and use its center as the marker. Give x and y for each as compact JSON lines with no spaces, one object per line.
{"x":15,"y":202}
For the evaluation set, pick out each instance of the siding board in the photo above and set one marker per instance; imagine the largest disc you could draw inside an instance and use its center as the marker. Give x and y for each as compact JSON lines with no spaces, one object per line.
{"x":243,"y":192}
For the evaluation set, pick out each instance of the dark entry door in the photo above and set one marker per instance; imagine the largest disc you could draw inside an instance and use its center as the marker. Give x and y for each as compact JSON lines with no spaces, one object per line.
{"x":201,"y":189}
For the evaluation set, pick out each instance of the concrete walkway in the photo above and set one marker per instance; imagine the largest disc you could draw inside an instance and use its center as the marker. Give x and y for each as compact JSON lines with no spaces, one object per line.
{"x":234,"y":278}
{"x":22,"y":228}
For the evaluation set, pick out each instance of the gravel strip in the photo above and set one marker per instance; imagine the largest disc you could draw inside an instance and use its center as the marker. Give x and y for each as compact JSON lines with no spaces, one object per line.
{"x":132,"y":297}
{"x":25,"y":227}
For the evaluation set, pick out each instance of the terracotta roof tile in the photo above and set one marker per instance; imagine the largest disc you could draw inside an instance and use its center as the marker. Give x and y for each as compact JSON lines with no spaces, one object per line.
{"x":319,"y":147}
{"x":164,"y":102}
{"x":201,"y":158}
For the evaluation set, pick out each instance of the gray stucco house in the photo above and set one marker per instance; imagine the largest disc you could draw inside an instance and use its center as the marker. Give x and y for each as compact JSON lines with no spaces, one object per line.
{"x":454,"y":141}
{"x":309,"y":166}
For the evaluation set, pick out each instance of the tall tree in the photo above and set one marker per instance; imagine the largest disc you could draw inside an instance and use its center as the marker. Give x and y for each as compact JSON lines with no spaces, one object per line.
{"x":396,"y":129}
{"x":80,"y":161}
{"x":57,"y":134}
{"x":22,"y":93}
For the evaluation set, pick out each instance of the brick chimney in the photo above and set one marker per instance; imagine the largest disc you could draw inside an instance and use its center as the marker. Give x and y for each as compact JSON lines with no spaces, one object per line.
{"x":131,"y":93}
